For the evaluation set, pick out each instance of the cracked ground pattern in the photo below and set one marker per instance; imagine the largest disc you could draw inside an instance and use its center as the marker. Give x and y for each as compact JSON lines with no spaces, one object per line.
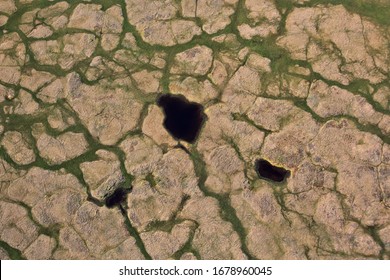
{"x":88,"y":170}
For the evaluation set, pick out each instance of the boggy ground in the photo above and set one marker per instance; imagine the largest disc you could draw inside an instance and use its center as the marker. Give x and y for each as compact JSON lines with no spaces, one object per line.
{"x":88,"y":170}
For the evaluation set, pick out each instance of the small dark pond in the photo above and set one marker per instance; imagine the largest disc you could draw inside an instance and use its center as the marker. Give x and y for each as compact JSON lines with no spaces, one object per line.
{"x":116,"y":198}
{"x":183,"y":119}
{"x":268,"y":171}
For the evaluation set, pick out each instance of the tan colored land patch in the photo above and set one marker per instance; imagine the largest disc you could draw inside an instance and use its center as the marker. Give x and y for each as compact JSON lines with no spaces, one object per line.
{"x":342,"y":47}
{"x":18,"y":148}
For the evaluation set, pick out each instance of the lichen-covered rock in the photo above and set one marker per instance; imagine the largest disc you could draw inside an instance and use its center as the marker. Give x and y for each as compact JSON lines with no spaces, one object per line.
{"x":147,"y":205}
{"x":12,"y":57}
{"x":157,"y":23}
{"x":264,"y":19}
{"x":87,"y":16}
{"x":71,"y":245}
{"x":224,"y":167}
{"x":8,"y":6}
{"x":18,"y":148}
{"x":354,"y":154}
{"x":339,"y":142}
{"x":161,"y":195}
{"x":215,"y":15}
{"x":65,"y":51}
{"x":55,"y":16}
{"x":108,"y":113}
{"x":333,"y":101}
{"x":101,"y":229}
{"x":348,"y":46}
{"x":17,"y":230}
{"x":128,"y":250}
{"x":33,"y":80}
{"x":60,"y":120}
{"x":271,"y":114}
{"x":3,"y":255}
{"x":91,"y":17}
{"x":153,"y":127}
{"x":141,"y":154}
{"x":56,"y":150}
{"x":104,"y":175}
{"x":149,"y":82}
{"x":41,"y":248}
{"x":162,"y":245}
{"x":25,"y":104}
{"x":382,"y":96}
{"x":246,"y":139}
{"x":214,"y":237}
{"x":287,"y":146}
{"x":241,"y":90}
{"x":195,"y":61}
{"x":194,"y":90}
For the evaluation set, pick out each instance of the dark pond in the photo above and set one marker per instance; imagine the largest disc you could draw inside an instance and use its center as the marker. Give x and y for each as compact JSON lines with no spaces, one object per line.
{"x":268,"y":171}
{"x":183,"y":119}
{"x":116,"y":198}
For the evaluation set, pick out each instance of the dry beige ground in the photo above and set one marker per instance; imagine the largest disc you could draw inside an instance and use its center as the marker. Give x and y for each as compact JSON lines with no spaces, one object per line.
{"x":304,"y":84}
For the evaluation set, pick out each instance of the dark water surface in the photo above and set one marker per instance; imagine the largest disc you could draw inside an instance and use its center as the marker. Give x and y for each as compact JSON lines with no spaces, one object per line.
{"x":183,"y":119}
{"x":116,"y":198}
{"x":268,"y":171}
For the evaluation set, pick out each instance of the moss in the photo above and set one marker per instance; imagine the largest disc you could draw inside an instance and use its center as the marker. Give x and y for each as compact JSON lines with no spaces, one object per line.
{"x":133,"y":232}
{"x":107,"y":3}
{"x":228,"y":213}
{"x":151,"y":179}
{"x":13,"y":253}
{"x":187,"y":247}
{"x":380,"y":13}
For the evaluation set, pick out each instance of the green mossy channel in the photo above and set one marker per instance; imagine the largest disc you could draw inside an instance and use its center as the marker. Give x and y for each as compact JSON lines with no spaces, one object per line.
{"x":378,"y":12}
{"x":134,"y":233}
{"x":14,"y":254}
{"x":228,"y":213}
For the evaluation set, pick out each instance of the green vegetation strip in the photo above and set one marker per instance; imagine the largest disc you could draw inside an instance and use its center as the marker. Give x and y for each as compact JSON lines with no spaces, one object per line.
{"x":13,"y":253}
{"x":228,"y":213}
